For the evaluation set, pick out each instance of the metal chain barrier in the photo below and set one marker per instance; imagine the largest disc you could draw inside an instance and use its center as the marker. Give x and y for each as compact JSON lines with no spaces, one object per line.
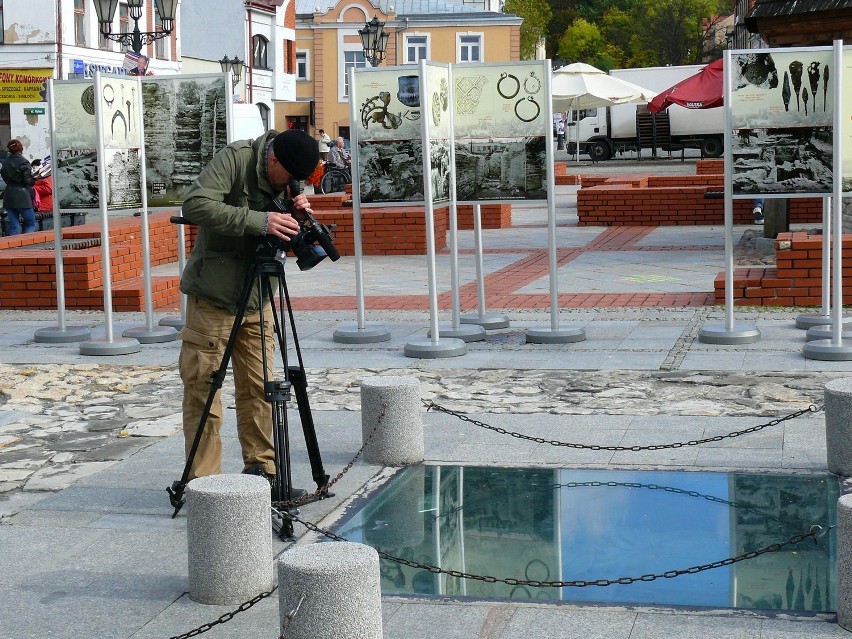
{"x":553,"y":442}
{"x":322,"y":490}
{"x":226,"y":617}
{"x":275,"y":508}
{"x":815,"y":533}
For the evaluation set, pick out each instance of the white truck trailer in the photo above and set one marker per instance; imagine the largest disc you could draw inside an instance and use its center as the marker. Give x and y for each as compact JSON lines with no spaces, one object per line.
{"x":604,"y":132}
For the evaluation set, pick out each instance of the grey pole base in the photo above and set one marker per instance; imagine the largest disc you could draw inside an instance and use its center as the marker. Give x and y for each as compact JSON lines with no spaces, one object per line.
{"x":120,"y":346}
{"x":467,"y":333}
{"x":825,"y":350}
{"x":488,"y":321}
{"x":152,"y":336}
{"x":425,"y":349}
{"x":806,"y":321}
{"x":172,"y":320}
{"x":56,"y":335}
{"x":741,"y":334}
{"x":825,"y":332}
{"x":558,"y":336}
{"x":366,"y":335}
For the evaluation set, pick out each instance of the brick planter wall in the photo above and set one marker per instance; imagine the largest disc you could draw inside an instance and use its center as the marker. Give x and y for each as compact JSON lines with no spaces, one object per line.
{"x":562,"y":176}
{"x":796,"y":279}
{"x":28,"y":264}
{"x":631,"y":200}
{"x":494,"y":216}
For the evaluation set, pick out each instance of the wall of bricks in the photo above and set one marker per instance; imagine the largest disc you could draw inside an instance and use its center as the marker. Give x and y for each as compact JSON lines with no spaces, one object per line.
{"x":563,"y":176}
{"x":631,"y":200}
{"x":796,"y":279}
{"x":28,"y":264}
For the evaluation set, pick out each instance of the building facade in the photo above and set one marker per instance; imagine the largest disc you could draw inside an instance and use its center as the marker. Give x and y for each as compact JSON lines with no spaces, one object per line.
{"x":328,"y":45}
{"x":260,"y":33}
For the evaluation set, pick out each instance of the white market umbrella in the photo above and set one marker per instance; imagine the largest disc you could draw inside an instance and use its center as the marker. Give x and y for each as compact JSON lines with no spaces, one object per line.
{"x":582,"y":86}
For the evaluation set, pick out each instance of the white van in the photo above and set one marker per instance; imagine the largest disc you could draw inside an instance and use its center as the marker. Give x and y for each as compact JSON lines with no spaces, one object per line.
{"x":246,"y":123}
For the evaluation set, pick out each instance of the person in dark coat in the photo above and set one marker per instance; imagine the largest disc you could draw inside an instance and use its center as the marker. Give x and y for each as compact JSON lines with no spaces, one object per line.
{"x":18,"y":196}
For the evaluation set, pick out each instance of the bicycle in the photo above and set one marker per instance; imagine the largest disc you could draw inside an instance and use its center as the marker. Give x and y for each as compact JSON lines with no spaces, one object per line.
{"x":335,"y":180}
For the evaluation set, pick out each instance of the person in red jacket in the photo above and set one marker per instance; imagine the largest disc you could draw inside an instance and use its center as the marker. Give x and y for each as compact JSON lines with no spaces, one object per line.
{"x":44,"y":187}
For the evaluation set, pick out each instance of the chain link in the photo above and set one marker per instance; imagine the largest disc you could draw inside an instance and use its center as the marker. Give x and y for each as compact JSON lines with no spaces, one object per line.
{"x":323,"y":490}
{"x":816,"y":532}
{"x":554,"y":442}
{"x":226,"y":617}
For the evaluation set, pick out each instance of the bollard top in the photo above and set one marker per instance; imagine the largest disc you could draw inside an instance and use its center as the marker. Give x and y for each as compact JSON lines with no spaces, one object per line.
{"x":329,"y":557}
{"x":390,"y":381}
{"x":839,"y":386}
{"x":228,"y":484}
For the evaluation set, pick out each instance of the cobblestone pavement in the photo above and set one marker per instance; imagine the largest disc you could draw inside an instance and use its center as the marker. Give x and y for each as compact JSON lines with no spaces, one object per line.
{"x":59,"y":423}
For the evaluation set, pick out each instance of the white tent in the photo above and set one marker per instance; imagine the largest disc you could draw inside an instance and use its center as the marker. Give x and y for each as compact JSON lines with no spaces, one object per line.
{"x":582,"y":86}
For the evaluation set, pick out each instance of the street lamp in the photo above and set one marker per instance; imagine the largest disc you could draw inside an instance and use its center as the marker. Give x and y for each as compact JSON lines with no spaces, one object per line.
{"x":105,"y":9}
{"x":374,"y":41}
{"x":235,"y":66}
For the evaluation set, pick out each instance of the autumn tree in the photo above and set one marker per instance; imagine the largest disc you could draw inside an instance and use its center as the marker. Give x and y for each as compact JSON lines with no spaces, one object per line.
{"x":536,"y":15}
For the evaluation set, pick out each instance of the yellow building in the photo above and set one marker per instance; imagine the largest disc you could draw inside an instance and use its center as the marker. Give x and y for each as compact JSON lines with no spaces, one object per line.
{"x":328,"y":44}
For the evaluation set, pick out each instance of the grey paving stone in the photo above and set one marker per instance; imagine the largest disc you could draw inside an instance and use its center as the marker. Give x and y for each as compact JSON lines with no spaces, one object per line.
{"x":419,"y":620}
{"x":686,"y":626}
{"x":801,"y":629}
{"x":562,"y":623}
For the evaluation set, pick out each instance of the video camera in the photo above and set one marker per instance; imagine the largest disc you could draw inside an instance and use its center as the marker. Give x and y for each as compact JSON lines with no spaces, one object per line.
{"x":312,"y":244}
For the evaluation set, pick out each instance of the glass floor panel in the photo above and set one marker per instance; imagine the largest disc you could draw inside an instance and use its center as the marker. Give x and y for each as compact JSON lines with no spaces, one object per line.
{"x":566,"y":525}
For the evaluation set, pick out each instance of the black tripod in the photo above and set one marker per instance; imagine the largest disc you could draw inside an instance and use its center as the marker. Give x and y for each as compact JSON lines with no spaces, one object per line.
{"x":276,"y":392}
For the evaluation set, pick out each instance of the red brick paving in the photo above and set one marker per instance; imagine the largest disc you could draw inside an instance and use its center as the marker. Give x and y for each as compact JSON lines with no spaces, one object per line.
{"x":501,"y":286}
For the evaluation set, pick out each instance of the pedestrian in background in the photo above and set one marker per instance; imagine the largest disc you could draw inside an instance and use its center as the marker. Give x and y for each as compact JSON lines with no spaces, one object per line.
{"x":19,"y":195}
{"x":44,"y":187}
{"x":324,"y":143}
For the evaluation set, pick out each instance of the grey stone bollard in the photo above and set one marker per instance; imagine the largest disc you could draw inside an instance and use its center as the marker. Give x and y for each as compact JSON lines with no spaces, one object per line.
{"x":334,"y":589}
{"x":838,"y":426}
{"x":229,"y":534}
{"x":398,"y":441}
{"x":844,"y":561}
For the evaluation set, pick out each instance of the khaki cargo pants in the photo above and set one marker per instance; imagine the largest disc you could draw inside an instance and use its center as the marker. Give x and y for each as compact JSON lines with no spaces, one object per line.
{"x":205,"y":336}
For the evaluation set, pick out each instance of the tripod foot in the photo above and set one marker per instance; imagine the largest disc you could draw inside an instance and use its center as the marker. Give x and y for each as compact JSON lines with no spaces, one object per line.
{"x":176,"y":497}
{"x":283,"y":527}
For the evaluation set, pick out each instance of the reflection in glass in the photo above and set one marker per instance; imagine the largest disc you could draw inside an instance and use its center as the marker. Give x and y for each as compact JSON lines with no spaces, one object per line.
{"x":563,"y":525}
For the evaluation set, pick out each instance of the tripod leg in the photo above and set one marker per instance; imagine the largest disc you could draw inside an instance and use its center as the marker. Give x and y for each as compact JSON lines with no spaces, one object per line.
{"x":177,"y":488}
{"x":300,"y":386}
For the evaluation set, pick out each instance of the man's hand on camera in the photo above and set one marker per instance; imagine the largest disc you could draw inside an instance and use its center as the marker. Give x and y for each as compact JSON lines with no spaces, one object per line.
{"x":281,"y":225}
{"x":300,"y":203}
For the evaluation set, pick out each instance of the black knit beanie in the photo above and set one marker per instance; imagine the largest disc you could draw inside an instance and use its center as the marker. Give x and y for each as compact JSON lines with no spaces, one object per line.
{"x":297,"y":152}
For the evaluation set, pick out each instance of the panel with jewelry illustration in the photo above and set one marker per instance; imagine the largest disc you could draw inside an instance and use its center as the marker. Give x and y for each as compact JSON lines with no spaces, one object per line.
{"x":501,"y":124}
{"x":782,"y":117}
{"x":185,"y":125}
{"x":119,"y":100}
{"x":437,"y":129}
{"x":846,"y":131}
{"x":387,"y":134}
{"x":75,"y":165}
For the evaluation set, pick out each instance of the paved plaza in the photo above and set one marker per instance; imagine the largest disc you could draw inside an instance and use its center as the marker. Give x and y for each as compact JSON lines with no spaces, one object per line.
{"x":88,"y":444}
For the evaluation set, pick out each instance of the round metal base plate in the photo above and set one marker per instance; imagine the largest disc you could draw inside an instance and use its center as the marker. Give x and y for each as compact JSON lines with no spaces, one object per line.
{"x":741,"y":334}
{"x":366,"y":335}
{"x":558,"y":336}
{"x":426,"y":349}
{"x":55,"y":335}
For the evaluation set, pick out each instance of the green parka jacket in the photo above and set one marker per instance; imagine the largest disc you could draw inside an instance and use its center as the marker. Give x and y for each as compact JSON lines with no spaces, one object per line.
{"x":228,"y":202}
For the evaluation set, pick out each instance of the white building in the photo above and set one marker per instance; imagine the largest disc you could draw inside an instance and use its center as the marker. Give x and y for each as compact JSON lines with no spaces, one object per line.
{"x":61,"y":39}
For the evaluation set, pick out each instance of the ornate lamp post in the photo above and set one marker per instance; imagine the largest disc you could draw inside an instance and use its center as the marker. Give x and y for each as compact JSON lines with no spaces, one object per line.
{"x":166,"y":10}
{"x":235,"y":66}
{"x":374,"y":41}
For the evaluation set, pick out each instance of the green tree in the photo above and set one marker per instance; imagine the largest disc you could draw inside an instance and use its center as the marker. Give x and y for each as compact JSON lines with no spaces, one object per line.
{"x":584,"y":42}
{"x":536,"y":15}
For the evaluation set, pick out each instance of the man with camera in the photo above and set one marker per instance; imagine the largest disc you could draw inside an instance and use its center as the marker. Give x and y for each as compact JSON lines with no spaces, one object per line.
{"x":232,"y":204}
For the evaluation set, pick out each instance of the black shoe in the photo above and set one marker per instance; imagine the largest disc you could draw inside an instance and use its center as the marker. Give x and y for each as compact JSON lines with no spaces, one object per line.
{"x":260,"y":472}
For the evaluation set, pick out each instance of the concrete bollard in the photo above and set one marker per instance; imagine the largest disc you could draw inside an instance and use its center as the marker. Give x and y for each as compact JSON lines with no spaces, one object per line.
{"x":844,"y":561}
{"x":398,"y":441}
{"x":229,"y":533}
{"x":838,"y":426}
{"x":334,"y":589}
